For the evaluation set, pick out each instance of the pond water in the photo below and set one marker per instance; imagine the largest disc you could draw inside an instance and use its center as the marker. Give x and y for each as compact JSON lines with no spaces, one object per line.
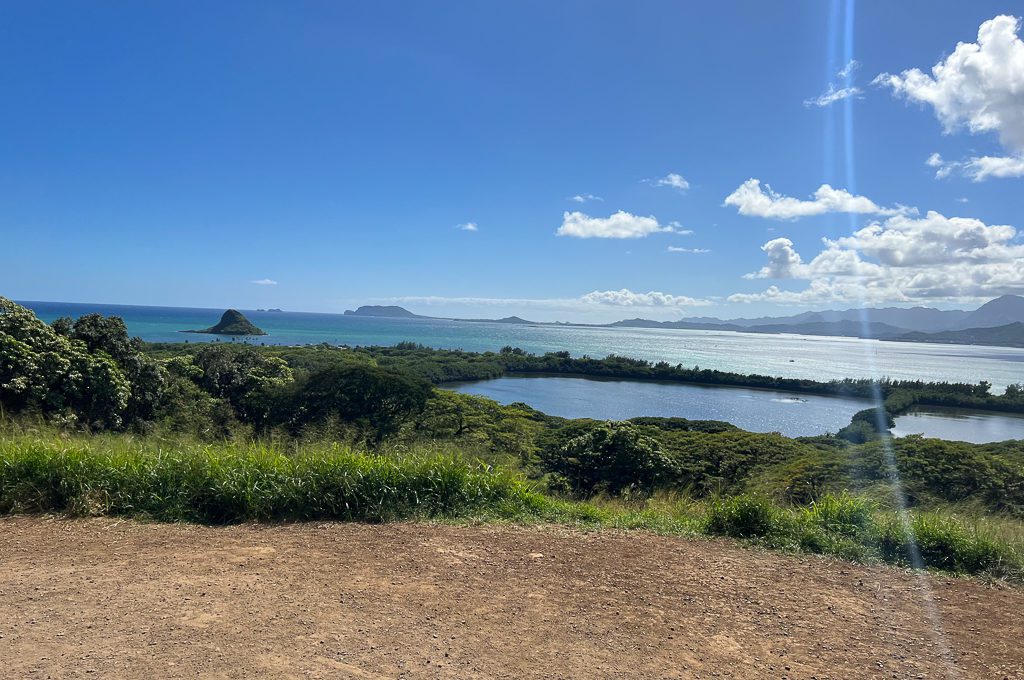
{"x":979,"y":427}
{"x":751,"y":409}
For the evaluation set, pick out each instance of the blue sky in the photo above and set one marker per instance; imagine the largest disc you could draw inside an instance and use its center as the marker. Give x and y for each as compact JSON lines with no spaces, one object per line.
{"x":320,"y":155}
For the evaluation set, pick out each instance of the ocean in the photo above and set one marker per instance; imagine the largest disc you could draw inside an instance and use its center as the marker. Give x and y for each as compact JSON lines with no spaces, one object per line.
{"x":793,"y":356}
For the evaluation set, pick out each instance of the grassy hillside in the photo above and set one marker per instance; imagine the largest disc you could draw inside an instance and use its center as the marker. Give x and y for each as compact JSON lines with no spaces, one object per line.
{"x":165,"y":480}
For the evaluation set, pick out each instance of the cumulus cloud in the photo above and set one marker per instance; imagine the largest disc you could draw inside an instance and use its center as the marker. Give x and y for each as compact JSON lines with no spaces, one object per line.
{"x":978,"y":168}
{"x":979,"y":86}
{"x":264,"y":282}
{"x":672,"y":179}
{"x":785,"y":263}
{"x":934,"y":240}
{"x":627,"y":298}
{"x":584,"y":198}
{"x":901,"y":259}
{"x":618,"y":225}
{"x":753,"y":200}
{"x":467,"y":226}
{"x":676,"y":249}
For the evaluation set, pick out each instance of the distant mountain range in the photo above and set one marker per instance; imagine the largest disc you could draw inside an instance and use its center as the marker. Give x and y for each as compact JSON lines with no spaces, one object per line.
{"x":998,"y":312}
{"x":997,"y":322}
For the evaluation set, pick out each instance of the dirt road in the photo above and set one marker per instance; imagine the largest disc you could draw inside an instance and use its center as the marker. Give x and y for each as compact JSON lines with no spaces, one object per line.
{"x":116,"y":599}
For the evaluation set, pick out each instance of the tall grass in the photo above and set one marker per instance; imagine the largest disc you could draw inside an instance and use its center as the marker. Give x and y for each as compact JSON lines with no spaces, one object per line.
{"x":231,"y":483}
{"x":177,"y":480}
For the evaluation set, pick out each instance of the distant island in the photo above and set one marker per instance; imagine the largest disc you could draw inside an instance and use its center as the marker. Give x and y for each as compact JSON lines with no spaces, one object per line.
{"x":507,"y":319}
{"x":396,"y":312}
{"x":998,"y":322}
{"x":272,"y":309}
{"x":232,"y":322}
{"x":390,"y":311}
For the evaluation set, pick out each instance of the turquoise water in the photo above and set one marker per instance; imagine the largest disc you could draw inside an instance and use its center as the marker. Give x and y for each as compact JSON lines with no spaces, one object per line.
{"x":749,"y":409}
{"x":795,"y":356}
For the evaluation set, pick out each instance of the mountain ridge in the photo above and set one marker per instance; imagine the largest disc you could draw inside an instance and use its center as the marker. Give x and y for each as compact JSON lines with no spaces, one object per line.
{"x":917,"y":324}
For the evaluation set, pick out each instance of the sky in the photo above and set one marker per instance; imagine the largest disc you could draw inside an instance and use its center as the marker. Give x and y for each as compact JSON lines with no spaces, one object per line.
{"x":572,"y":160}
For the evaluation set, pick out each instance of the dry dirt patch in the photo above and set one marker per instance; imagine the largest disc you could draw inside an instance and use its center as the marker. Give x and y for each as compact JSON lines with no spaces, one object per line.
{"x":105,"y":598}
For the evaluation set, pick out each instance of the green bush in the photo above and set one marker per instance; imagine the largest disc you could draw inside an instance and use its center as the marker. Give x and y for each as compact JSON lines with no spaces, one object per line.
{"x":745,"y":516}
{"x":845,"y":515}
{"x":941,"y":542}
{"x":609,"y":457}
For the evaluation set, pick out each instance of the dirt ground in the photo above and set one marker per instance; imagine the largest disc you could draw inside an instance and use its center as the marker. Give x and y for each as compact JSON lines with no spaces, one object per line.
{"x":104,"y":598}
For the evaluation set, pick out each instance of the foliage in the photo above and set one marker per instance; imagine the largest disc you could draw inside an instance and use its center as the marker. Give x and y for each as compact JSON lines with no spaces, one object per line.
{"x":611,"y":457}
{"x":479,"y":424}
{"x":378,"y":400}
{"x":218,"y":484}
{"x":69,"y":374}
{"x":181,"y":481}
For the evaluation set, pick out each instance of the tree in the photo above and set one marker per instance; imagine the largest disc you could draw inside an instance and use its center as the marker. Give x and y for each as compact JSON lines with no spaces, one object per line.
{"x":376,"y":399}
{"x":241,"y":375}
{"x":612,"y":457}
{"x":47,"y":371}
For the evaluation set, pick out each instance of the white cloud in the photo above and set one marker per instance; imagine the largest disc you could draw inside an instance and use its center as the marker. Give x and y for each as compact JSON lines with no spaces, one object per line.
{"x":785,"y":263}
{"x":934,"y":240}
{"x":915,"y":259}
{"x":676,"y":249}
{"x":961,"y":200}
{"x":978,"y":168}
{"x":983,"y":167}
{"x":597,"y":298}
{"x":848,"y":70}
{"x":752,"y":200}
{"x":979,"y":86}
{"x":618,"y":225}
{"x":264,"y":282}
{"x":467,"y":226}
{"x":583,"y":198}
{"x":627,"y":298}
{"x":672,"y":179}
{"x":834,"y":94}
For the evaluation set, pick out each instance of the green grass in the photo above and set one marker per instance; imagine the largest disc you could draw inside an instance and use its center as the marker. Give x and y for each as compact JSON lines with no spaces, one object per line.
{"x":232,"y":483}
{"x":177,"y":480}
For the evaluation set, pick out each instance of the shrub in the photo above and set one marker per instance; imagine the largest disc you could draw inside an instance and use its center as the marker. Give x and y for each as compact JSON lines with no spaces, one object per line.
{"x":609,"y":457}
{"x":744,"y":516}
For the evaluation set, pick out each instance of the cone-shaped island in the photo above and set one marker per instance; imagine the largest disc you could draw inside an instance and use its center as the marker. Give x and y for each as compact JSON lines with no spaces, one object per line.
{"x":233,"y":322}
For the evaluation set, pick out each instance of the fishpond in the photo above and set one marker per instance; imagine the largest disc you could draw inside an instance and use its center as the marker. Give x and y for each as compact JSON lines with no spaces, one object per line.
{"x":978,"y":427}
{"x":751,"y":409}
{"x":794,"y":415}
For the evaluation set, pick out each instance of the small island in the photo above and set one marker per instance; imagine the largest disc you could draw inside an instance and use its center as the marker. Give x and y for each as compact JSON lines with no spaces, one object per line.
{"x":232,"y":322}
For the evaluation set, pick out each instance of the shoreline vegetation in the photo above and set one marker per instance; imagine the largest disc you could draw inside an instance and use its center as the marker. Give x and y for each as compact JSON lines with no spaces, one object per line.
{"x":96,"y":422}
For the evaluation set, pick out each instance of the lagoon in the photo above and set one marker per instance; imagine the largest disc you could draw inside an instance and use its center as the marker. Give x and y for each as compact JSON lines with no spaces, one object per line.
{"x":977,"y":427}
{"x":750,"y":409}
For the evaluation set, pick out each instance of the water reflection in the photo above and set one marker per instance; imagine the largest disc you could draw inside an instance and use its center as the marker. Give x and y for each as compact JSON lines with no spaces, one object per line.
{"x":978,"y":427}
